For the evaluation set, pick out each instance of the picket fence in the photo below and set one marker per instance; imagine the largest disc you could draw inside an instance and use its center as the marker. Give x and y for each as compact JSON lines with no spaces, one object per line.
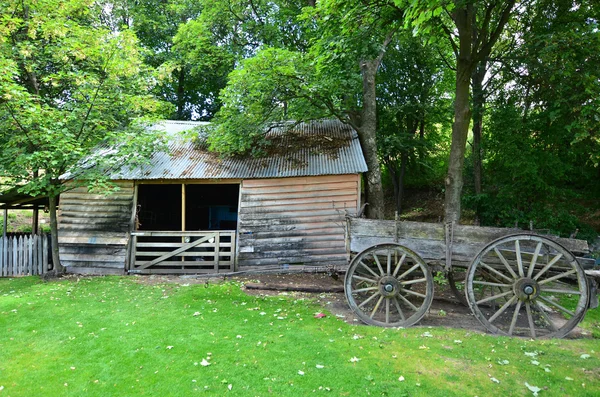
{"x":23,"y":255}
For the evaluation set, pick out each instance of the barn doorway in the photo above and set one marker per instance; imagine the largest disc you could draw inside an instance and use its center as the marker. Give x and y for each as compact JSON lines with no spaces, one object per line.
{"x":185,"y":228}
{"x":187,"y":207}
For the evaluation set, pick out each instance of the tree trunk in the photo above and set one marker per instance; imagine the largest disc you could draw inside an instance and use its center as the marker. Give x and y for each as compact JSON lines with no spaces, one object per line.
{"x":462,"y":115}
{"x":58,"y":267}
{"x":367,"y":136}
{"x":478,"y":109}
{"x":181,"y":94}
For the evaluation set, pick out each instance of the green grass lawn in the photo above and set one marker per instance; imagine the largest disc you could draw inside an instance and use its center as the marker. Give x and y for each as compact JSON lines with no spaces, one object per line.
{"x":115,"y":336}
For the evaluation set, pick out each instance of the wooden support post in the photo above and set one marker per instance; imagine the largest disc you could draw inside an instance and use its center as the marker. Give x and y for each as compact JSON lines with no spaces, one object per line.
{"x":183,"y":217}
{"x":35,"y":220}
{"x":5,"y":226}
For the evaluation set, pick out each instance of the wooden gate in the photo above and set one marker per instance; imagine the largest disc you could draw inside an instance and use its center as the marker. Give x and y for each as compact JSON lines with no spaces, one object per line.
{"x":195,"y":252}
{"x":23,"y":255}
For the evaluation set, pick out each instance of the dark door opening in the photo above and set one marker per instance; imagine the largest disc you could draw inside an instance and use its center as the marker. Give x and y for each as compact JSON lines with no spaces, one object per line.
{"x":207,"y":207}
{"x":212,"y":207}
{"x":159,"y":207}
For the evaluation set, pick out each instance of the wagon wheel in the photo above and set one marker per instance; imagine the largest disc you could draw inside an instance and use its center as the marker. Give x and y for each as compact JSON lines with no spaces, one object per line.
{"x":527,"y":285}
{"x":456,"y":280}
{"x":389,"y":285}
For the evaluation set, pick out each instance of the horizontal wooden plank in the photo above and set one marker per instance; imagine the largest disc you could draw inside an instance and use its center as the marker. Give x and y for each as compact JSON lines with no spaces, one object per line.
{"x":67,"y":220}
{"x":94,"y":270}
{"x":304,"y":180}
{"x":94,"y":209}
{"x":67,"y":257}
{"x":86,"y":214}
{"x":282,"y":254}
{"x":94,"y":264}
{"x":246,"y":239}
{"x":178,"y":245}
{"x":67,"y":201}
{"x":293,"y":208}
{"x":93,"y":228}
{"x":183,"y":265}
{"x":311,"y":201}
{"x":92,"y":240}
{"x":316,"y":233}
{"x":330,"y":191}
{"x":180,"y":271}
{"x":200,"y":233}
{"x":299,"y":223}
{"x":297,"y":189}
{"x":296,"y":216}
{"x":118,"y":250}
{"x":329,"y":260}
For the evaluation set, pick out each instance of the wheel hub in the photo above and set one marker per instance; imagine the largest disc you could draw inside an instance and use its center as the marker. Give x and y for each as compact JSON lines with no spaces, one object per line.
{"x":388,"y":286}
{"x":526,"y":289}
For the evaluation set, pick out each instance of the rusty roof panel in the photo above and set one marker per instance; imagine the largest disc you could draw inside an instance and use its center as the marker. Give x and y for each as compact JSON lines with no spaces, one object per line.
{"x":326,"y":147}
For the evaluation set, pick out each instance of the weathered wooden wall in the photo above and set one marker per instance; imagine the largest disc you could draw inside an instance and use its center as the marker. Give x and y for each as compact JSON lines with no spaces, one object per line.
{"x":293,"y":221}
{"x":94,"y":229}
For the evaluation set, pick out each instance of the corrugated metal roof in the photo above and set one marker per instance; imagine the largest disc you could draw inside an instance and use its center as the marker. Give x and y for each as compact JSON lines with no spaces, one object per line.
{"x":325,"y":147}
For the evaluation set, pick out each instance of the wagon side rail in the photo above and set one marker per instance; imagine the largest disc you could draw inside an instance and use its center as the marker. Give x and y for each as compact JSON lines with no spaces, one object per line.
{"x":441,"y":244}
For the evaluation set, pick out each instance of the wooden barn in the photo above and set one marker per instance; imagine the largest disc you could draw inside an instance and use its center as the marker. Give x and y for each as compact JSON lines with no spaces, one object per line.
{"x":190,"y":211}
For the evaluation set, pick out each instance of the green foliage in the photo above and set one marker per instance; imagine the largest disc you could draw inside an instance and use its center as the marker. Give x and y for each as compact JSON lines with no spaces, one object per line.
{"x":68,"y":85}
{"x":541,"y":136}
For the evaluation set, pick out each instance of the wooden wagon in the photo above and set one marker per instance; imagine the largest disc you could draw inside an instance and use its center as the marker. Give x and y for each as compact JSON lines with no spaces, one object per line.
{"x":516,"y":283}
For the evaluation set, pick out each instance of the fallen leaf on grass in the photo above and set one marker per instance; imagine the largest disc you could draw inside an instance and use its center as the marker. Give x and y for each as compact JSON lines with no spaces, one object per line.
{"x":354,"y":359}
{"x":585,"y":356}
{"x":230,"y":386}
{"x":401,"y":378}
{"x":320,"y":366}
{"x":301,"y":373}
{"x":169,"y":347}
{"x":204,"y":363}
{"x":319,"y":315}
{"x":494,"y":380}
{"x":533,"y":389}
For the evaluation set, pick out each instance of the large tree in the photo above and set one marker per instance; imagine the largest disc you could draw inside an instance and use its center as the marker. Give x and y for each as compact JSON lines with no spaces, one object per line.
{"x":473,"y":27}
{"x":68,"y":84}
{"x":328,"y":70}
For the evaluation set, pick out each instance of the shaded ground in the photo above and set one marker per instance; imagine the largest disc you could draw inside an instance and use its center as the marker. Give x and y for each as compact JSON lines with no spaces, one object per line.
{"x":445,"y":310}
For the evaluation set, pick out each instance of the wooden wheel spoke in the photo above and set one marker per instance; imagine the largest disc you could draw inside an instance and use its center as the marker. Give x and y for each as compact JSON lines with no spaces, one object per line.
{"x":492,"y":284}
{"x":505,"y":263}
{"x":557,"y":277}
{"x":369,"y":299}
{"x":545,"y":316}
{"x":494,"y":297}
{"x":548,"y":301}
{"x":548,"y":266}
{"x":502,"y":309}
{"x":389,"y":262}
{"x":377,"y":306}
{"x":364,"y":279}
{"x":504,"y":276}
{"x":514,"y":318}
{"x":415,"y":281}
{"x":374,"y":255}
{"x":561,"y":291}
{"x":365,"y":289}
{"x":400,"y":277}
{"x":387,"y":311}
{"x":400,"y":312}
{"x":409,"y":303}
{"x":399,"y":264}
{"x":530,"y":319}
{"x":519,"y":259}
{"x":534,"y":259}
{"x":368,"y":269}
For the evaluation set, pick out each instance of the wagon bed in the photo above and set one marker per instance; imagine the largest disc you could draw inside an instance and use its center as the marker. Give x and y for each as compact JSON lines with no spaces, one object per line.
{"x":515,"y":282}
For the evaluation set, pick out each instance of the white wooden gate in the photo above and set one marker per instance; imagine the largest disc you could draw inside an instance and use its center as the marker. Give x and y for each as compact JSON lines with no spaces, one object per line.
{"x":169,"y":252}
